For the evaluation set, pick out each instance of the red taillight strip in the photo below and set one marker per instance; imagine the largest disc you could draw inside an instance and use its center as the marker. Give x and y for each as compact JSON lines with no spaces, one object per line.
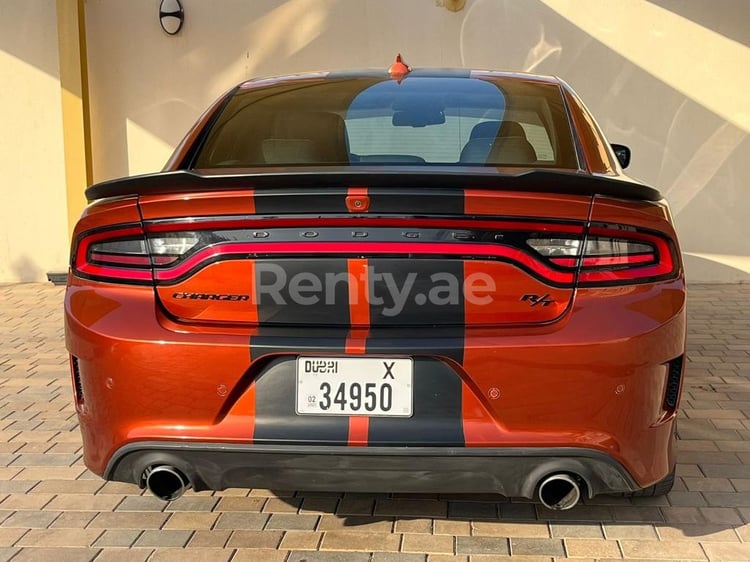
{"x":254,"y":250}
{"x":605,"y":261}
{"x":664,"y":257}
{"x":622,"y":275}
{"x":118,"y":271}
{"x":85,"y":240}
{"x":305,"y":222}
{"x":120,"y":259}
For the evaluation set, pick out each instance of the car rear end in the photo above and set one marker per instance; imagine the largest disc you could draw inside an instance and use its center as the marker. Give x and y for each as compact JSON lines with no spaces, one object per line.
{"x":339,"y":286}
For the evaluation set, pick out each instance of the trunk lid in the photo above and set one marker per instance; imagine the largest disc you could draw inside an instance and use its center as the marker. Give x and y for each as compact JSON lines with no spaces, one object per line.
{"x":360,"y":257}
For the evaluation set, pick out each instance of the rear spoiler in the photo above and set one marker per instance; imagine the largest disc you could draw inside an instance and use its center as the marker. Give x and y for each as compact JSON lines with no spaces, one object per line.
{"x":530,"y":180}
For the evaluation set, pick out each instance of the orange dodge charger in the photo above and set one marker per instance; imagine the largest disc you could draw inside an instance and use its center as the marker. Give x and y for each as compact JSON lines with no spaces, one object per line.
{"x":412,"y":280}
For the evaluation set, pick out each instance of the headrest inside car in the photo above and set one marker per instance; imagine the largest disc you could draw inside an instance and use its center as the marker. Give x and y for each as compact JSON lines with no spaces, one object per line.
{"x":492,"y":129}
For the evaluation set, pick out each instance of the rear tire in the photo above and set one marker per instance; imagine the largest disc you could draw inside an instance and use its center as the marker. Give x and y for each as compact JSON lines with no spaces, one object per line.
{"x":661,"y":488}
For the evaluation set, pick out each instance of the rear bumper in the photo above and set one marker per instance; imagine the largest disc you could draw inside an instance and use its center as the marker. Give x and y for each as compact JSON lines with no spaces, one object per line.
{"x":512,"y":472}
{"x":595,"y":381}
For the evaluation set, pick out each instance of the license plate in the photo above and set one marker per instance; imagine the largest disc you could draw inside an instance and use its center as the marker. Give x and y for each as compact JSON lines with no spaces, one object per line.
{"x":354,"y":386}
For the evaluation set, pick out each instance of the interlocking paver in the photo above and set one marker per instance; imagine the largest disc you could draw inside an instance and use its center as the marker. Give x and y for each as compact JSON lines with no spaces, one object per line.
{"x":665,"y":549}
{"x":629,"y":531}
{"x":263,"y":555}
{"x":193,"y":555}
{"x":454,"y":528}
{"x":6,"y":552}
{"x":124,"y":555}
{"x":518,"y":511}
{"x":129,"y":520}
{"x":442,"y":544}
{"x":419,"y":526}
{"x":86,"y":487}
{"x":356,"y":506}
{"x":191,"y":520}
{"x":503,"y":529}
{"x":255,"y":539}
{"x":709,"y":532}
{"x":287,"y":505}
{"x":241,"y":520}
{"x":305,"y":556}
{"x":139,"y":503}
{"x":536,"y":547}
{"x":334,"y":523}
{"x":26,"y":501}
{"x":239,"y":504}
{"x":83,"y":502}
{"x":411,"y":508}
{"x":60,"y":537}
{"x":51,"y":507}
{"x":360,"y":541}
{"x":164,"y":537}
{"x":727,"y":551}
{"x":591,"y":548}
{"x":482,"y":545}
{"x":400,"y":557}
{"x":30,"y":519}
{"x":319,"y":505}
{"x":57,"y":554}
{"x":8,"y":537}
{"x":118,"y":537}
{"x":210,"y":539}
{"x":301,"y":540}
{"x":683,"y":515}
{"x":292,"y":521}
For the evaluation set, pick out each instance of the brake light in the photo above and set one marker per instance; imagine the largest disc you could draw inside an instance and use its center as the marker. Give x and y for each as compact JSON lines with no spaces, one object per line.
{"x":115,"y":254}
{"x":558,"y":254}
{"x":610,"y":255}
{"x":125,"y":254}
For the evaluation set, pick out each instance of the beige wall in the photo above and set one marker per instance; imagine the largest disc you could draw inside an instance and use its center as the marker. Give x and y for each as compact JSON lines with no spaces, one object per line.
{"x":33,"y":221}
{"x":667,"y":77}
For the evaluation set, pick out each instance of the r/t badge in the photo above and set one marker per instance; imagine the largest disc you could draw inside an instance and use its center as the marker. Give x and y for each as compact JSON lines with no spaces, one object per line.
{"x":535,"y":300}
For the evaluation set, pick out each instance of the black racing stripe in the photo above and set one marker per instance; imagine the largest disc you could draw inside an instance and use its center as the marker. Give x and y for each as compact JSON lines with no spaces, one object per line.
{"x":437,"y":412}
{"x":297,"y":340}
{"x":302,"y":291}
{"x":416,"y":291}
{"x":433,"y":341}
{"x":275,"y":418}
{"x":296,"y":201}
{"x":417,"y":201}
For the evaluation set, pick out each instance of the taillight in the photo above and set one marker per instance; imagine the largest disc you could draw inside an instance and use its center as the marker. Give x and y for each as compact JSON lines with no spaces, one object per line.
{"x":557,"y":254}
{"x":125,"y":254}
{"x":172,"y":245}
{"x":114,"y":254}
{"x":610,"y":255}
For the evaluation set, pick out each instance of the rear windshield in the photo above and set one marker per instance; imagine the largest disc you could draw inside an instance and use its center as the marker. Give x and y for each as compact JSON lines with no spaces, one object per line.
{"x":420,"y":121}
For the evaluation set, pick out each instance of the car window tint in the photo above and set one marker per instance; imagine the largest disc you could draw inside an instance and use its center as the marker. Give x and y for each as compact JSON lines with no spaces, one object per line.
{"x":538,"y":136}
{"x":371,"y":120}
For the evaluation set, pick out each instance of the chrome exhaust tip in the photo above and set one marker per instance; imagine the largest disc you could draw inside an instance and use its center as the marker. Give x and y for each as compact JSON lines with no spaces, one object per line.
{"x":165,"y":482}
{"x":560,"y":492}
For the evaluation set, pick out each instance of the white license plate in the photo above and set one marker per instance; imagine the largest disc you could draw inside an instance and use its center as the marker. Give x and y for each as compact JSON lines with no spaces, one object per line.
{"x":348,"y":386}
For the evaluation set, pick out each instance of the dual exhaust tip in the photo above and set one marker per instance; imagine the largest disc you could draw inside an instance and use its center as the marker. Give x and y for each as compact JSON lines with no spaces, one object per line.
{"x":557,"y":492}
{"x":165,"y":482}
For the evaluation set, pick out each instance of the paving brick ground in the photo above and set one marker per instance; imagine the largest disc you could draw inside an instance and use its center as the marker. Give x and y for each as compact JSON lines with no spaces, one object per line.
{"x":51,"y":508}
